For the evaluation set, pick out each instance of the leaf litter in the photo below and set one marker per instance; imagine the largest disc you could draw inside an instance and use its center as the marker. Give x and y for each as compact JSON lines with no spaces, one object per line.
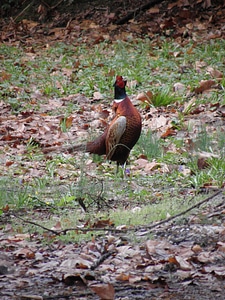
{"x":178,"y":259}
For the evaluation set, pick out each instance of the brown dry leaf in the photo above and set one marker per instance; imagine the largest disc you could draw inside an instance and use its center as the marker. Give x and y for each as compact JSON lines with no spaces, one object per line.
{"x":105,"y":291}
{"x":215,"y":73}
{"x":201,"y":26}
{"x":153,"y":10}
{"x":122,"y":227}
{"x":57,"y":226}
{"x":202,"y":163}
{"x":199,"y":65}
{"x":190,"y":50}
{"x":172,"y":260}
{"x":205,"y":257}
{"x":135,"y":278}
{"x":157,"y":122}
{"x":196,"y":248}
{"x":102,"y":223}
{"x":98,"y":96}
{"x":218,"y":270}
{"x":171,"y":5}
{"x":9,"y":163}
{"x":4,"y":76}
{"x":169,"y":132}
{"x":204,"y":86}
{"x":5,"y":208}
{"x":177,"y":53}
{"x":93,"y":25}
{"x":123,"y":277}
{"x":160,"y":247}
{"x":19,"y":237}
{"x":76,"y":262}
{"x":154,"y":268}
{"x":205,"y":155}
{"x":127,"y":251}
{"x":206,"y":4}
{"x":29,"y":24}
{"x":141,"y":162}
{"x":183,"y":263}
{"x":69,"y":122}
{"x":24,"y":253}
{"x":151,"y":166}
{"x":184,"y":275}
{"x":221,"y":246}
{"x":221,"y":110}
{"x":145,"y":97}
{"x":190,"y":26}
{"x":179,"y":88}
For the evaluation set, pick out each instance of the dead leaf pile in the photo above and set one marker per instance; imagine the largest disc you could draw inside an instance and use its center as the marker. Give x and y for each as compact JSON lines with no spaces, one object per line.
{"x":95,"y":24}
{"x":102,"y":264}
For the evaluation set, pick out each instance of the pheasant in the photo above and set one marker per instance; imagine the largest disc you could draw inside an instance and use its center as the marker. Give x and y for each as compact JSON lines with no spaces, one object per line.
{"x":121,"y":134}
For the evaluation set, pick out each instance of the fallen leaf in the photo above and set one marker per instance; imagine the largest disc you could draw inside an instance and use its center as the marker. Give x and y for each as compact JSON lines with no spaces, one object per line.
{"x":215,"y":73}
{"x":123,"y":277}
{"x":204,"y":85}
{"x":105,"y":291}
{"x":179,"y":88}
{"x":102,"y":223}
{"x":57,"y":226}
{"x":145,"y":97}
{"x":98,"y":96}
{"x":169,"y":132}
{"x":183,"y":263}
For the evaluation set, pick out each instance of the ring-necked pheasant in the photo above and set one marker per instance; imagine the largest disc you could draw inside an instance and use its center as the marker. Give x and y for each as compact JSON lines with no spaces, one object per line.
{"x":121,"y":134}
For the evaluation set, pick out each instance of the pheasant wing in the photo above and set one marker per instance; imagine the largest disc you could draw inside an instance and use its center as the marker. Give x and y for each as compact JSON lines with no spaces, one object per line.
{"x":115,"y":132}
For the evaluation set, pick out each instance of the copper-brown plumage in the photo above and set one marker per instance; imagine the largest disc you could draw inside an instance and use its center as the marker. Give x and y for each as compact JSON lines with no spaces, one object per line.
{"x":123,"y":132}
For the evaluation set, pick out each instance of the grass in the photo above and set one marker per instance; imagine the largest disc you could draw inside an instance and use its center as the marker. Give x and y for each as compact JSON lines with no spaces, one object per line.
{"x":66,"y":71}
{"x":150,"y":145}
{"x":139,"y":199}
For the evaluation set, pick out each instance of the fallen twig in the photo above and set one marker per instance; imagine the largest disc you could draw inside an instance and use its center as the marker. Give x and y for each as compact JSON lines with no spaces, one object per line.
{"x":115,"y":230}
{"x":137,"y":11}
{"x":185,"y":211}
{"x":20,"y":14}
{"x":102,"y":258}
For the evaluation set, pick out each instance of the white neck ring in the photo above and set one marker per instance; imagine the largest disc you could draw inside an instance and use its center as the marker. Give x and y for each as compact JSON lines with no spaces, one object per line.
{"x":118,"y":100}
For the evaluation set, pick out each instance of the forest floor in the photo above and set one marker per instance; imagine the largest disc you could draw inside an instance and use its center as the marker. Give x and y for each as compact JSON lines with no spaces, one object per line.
{"x":180,"y":257}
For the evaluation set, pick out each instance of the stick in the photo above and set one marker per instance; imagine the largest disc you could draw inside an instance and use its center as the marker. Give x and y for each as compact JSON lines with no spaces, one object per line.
{"x":101,"y":259}
{"x":137,"y":11}
{"x":185,"y":211}
{"x":115,"y":230}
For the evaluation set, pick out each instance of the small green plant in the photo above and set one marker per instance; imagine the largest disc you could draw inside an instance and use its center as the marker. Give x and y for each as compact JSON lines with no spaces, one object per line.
{"x":212,"y":174}
{"x":150,"y":145}
{"x":13,"y":193}
{"x":163,"y":98}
